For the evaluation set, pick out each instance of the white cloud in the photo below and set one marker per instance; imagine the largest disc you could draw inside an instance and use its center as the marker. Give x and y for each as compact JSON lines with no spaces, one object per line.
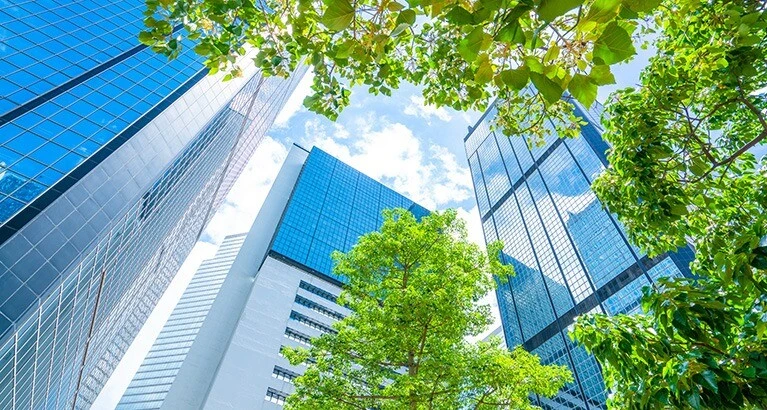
{"x":235,"y":215}
{"x":390,"y":153}
{"x":473,"y":225}
{"x":418,"y":108}
{"x":295,"y":102}
{"x":244,"y":200}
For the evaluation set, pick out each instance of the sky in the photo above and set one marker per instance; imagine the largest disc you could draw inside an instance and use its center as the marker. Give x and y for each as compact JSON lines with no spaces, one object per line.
{"x":415,"y":149}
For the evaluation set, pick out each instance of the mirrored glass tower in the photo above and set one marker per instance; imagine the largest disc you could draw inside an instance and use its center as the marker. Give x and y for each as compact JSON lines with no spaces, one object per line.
{"x":112,"y":160}
{"x":570,"y":255}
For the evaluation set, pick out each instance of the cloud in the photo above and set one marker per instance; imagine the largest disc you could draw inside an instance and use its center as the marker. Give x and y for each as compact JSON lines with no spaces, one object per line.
{"x":418,"y":108}
{"x":244,"y":200}
{"x":473,"y":224}
{"x":295,"y":102}
{"x":389,"y":152}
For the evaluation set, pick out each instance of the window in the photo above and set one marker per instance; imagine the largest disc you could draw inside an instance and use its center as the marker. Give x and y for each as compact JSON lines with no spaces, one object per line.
{"x":310,"y":322}
{"x":318,"y":291}
{"x":318,"y":308}
{"x":298,"y":336}
{"x":280,"y":373}
{"x":275,"y":396}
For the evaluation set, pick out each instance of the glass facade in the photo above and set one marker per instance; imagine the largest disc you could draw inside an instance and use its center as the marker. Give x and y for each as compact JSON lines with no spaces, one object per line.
{"x":331,"y":207}
{"x":571,"y":256}
{"x":112,"y":161}
{"x":154,"y":378}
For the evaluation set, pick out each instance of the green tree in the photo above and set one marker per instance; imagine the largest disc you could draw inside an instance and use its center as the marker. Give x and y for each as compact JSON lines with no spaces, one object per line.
{"x":683,"y":170}
{"x":413,"y":288}
{"x":682,"y":163}
{"x":463,"y":52}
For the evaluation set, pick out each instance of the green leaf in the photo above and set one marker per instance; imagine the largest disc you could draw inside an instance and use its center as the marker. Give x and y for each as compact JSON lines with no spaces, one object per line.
{"x":583,"y":90}
{"x":394,"y":6}
{"x":202,"y":49}
{"x":146,"y":38}
{"x":399,"y":29}
{"x":549,"y":90}
{"x":484,"y":72}
{"x":515,"y":79}
{"x":548,"y":10}
{"x":534,"y":65}
{"x":460,"y":16}
{"x":641,"y":6}
{"x":338,"y":14}
{"x":511,"y":33}
{"x":601,"y":75}
{"x":709,"y":380}
{"x":602,"y":11}
{"x":406,"y":16}
{"x":613,"y":46}
{"x":470,"y":46}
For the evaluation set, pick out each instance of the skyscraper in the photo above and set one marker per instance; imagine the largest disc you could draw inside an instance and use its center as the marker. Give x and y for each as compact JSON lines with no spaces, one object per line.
{"x":280,"y":291}
{"x":571,"y":256}
{"x":113,"y":160}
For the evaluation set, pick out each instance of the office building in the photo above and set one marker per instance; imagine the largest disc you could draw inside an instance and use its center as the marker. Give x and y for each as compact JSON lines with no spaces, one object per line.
{"x":571,"y":256}
{"x":280,"y":291}
{"x":113,"y":160}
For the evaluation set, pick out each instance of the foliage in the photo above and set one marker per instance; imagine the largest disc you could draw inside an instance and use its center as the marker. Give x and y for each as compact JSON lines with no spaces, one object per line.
{"x":463,"y":52}
{"x":683,"y":169}
{"x":413,"y":288}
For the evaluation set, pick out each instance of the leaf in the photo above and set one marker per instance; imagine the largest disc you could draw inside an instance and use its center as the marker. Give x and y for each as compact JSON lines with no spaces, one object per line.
{"x":641,"y":6}
{"x":709,"y":381}
{"x":548,"y":10}
{"x":485,"y":70}
{"x":146,"y":38}
{"x":613,"y":46}
{"x":583,"y":90}
{"x":406,"y":16}
{"x":549,"y":90}
{"x":511,"y":33}
{"x":601,"y":75}
{"x":602,"y":11}
{"x":394,"y":6}
{"x":202,"y":49}
{"x":338,"y":14}
{"x":399,"y":29}
{"x":460,"y":16}
{"x":534,"y":65}
{"x":470,"y":46}
{"x":516,"y":79}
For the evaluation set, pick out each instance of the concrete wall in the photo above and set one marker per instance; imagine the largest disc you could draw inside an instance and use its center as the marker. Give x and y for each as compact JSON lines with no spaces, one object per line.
{"x":200,"y":367}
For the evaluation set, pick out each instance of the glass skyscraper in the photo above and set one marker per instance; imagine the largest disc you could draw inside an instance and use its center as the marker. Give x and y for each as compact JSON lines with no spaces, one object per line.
{"x":112,"y":160}
{"x":571,"y":256}
{"x":279,"y":291}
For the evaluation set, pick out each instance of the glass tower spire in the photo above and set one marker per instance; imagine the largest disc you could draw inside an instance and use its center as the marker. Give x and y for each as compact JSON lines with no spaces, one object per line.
{"x":571,"y":256}
{"x":112,"y":160}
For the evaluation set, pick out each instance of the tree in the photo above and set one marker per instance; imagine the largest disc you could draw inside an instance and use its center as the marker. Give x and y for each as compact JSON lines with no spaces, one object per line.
{"x":413,"y":288}
{"x":682,"y":162}
{"x":682,"y":168}
{"x":463,"y":52}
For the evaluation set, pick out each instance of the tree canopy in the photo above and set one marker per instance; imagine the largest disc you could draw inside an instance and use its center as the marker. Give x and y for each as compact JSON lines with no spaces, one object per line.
{"x":414,"y":288}
{"x":464,"y":53}
{"x":683,"y":169}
